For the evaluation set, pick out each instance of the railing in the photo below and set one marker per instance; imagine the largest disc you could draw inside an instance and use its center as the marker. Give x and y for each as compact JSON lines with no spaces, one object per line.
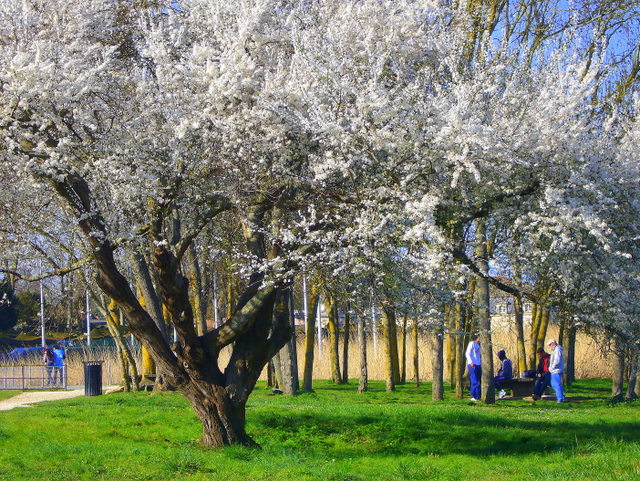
{"x":33,"y":376}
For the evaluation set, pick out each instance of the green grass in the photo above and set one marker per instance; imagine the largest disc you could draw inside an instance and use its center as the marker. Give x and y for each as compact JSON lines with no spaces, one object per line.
{"x":334,"y":434}
{"x":8,"y":394}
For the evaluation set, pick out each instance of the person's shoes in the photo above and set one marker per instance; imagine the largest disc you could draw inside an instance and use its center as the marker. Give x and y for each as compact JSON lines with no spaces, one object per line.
{"x":473,"y":399}
{"x":561,"y":401}
{"x":534,"y":397}
{"x":502,"y":394}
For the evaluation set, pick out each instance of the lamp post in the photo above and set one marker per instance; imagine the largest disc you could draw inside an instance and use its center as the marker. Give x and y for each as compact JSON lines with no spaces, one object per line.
{"x":43,"y":339}
{"x":88,"y":319}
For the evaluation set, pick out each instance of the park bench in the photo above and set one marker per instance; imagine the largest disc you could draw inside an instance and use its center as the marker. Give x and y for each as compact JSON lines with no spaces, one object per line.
{"x":519,"y":387}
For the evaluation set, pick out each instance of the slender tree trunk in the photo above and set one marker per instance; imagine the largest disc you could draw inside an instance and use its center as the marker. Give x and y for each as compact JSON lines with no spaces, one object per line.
{"x":570,"y":355}
{"x":152,"y":303}
{"x":634,"y":364}
{"x":403,"y":368}
{"x":617,"y":384}
{"x":449,"y":346}
{"x":459,"y":363}
{"x":334,"y":352}
{"x":195,"y":278}
{"x":309,"y":340}
{"x":545,"y":314}
{"x":363,"y":382}
{"x":416,"y":359}
{"x":519,"y":324}
{"x":562,"y":332}
{"x":129,"y":369}
{"x":533,"y":335}
{"x":387,"y":333}
{"x":345,"y":345}
{"x":484,"y":318}
{"x":437,"y":365}
{"x":284,"y":360}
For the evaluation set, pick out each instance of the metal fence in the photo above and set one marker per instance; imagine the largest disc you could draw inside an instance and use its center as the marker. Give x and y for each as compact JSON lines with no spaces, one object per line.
{"x":32,"y":376}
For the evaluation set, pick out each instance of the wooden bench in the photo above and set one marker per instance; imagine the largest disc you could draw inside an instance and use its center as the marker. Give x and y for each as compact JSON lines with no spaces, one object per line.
{"x":519,"y":387}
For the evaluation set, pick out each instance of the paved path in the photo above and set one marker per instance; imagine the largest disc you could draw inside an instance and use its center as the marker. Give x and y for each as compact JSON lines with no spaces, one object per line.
{"x":27,"y":398}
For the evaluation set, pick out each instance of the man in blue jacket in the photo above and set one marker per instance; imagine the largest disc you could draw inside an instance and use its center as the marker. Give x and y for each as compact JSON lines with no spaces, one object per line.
{"x":58,"y":363}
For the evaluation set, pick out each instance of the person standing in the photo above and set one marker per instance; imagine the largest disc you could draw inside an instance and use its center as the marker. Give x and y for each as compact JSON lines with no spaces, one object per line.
{"x":556,"y":368}
{"x":49,"y":358}
{"x":543,"y":376}
{"x":58,"y":363}
{"x":505,"y":372}
{"x":474,"y":362}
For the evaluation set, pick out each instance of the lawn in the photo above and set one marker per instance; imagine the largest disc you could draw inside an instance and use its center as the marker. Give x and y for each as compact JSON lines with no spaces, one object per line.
{"x":8,"y":394}
{"x":334,"y":434}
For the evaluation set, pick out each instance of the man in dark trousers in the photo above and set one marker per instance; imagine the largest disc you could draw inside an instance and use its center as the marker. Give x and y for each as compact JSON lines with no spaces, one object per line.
{"x":505,"y":372}
{"x":543,"y":376}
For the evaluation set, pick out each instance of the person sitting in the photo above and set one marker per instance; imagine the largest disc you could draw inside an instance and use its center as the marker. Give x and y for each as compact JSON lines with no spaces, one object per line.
{"x":543,"y":376}
{"x":505,"y":372}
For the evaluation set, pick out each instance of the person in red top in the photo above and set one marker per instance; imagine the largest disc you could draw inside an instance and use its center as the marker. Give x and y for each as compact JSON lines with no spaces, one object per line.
{"x":543,"y":376}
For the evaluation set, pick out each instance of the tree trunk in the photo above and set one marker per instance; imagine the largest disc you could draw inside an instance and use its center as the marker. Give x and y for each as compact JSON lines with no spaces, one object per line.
{"x":437,"y":365}
{"x":519,"y":324}
{"x":284,"y":361}
{"x":392,"y":372}
{"x":533,"y":335}
{"x":334,"y":352}
{"x":403,"y":366}
{"x":617,"y":384}
{"x":309,"y":340}
{"x":222,"y":420}
{"x":195,"y":278}
{"x":545,"y":314}
{"x":416,"y":360}
{"x":450,"y":346}
{"x":570,"y":355}
{"x":363,"y":382}
{"x":459,"y":361}
{"x":484,"y":318}
{"x":634,"y":363}
{"x":345,"y":345}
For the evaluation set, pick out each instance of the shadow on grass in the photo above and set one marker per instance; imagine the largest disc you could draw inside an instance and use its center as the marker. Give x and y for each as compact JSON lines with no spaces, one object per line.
{"x":456,"y":432}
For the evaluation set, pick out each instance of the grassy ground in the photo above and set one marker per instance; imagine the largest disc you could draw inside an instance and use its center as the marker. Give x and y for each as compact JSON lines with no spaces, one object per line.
{"x":334,"y":435}
{"x":8,"y":394}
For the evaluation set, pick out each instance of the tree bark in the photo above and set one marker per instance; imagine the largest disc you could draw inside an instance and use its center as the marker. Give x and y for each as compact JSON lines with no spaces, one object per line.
{"x":484,"y":318}
{"x":519,"y":324}
{"x":195,"y":277}
{"x":570,"y":355}
{"x":403,"y":367}
{"x":334,"y":351}
{"x":345,"y":345}
{"x":284,"y":361}
{"x":617,"y":381}
{"x":309,"y":340}
{"x":363,"y":382}
{"x":459,"y":361}
{"x":634,"y":364}
{"x":416,"y":359}
{"x":392,"y":372}
{"x":437,"y":369}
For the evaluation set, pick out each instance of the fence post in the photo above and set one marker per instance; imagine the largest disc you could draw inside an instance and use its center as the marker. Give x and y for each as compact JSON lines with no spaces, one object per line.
{"x":22,"y":370}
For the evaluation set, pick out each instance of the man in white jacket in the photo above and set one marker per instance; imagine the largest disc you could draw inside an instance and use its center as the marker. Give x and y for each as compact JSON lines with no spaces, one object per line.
{"x":474,"y":364}
{"x":556,"y":368}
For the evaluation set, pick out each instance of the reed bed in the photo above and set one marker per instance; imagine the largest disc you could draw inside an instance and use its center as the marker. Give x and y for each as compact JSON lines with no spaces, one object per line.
{"x":591,"y":361}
